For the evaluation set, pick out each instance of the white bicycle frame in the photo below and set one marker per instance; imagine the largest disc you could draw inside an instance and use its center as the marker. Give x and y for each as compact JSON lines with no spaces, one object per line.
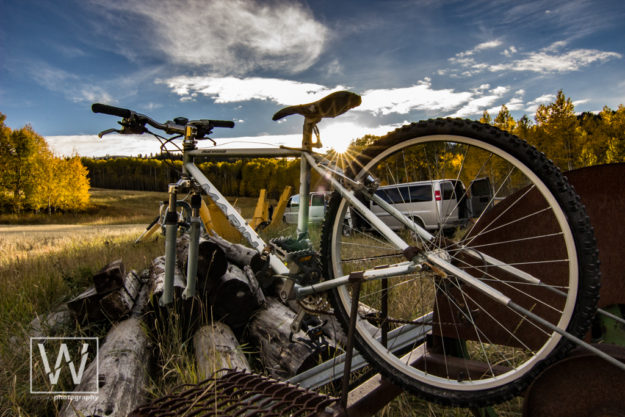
{"x":308,"y":161}
{"x":291,"y":290}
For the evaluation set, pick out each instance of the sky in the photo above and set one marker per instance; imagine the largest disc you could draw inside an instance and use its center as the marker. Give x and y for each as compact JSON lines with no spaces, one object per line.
{"x":243,"y":60}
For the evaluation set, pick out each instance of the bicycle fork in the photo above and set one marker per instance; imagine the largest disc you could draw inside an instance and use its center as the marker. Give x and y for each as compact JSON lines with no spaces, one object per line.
{"x":171,"y":233}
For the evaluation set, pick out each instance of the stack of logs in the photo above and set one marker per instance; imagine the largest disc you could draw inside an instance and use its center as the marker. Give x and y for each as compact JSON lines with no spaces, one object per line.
{"x":240,"y":309}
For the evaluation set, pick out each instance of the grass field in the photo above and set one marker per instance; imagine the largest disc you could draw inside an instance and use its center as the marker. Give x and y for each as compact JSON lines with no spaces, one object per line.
{"x":46,"y":260}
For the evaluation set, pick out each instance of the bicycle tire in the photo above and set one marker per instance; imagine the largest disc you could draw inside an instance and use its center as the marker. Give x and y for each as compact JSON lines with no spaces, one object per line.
{"x":474,"y":352}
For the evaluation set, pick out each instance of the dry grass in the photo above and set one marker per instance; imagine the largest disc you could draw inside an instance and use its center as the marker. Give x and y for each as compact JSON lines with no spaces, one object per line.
{"x":42,"y":266}
{"x":46,"y":260}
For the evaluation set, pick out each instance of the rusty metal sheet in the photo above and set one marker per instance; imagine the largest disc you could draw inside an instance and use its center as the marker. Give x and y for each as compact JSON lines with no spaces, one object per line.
{"x":581,"y":385}
{"x":602,"y":190}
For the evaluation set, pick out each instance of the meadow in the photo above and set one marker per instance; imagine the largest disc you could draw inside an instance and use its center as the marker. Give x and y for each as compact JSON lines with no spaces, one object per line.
{"x":47,"y":260}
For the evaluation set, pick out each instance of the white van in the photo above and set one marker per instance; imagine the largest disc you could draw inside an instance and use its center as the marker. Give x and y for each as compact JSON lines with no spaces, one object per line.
{"x":437,"y":204}
{"x":316,"y":208}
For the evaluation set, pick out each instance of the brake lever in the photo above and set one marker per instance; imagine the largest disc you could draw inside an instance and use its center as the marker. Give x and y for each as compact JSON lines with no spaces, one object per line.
{"x":107,"y":131}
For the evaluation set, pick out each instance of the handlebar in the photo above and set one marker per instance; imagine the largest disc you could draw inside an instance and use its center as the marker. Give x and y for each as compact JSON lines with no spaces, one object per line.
{"x":223,"y":123}
{"x":134,"y":122}
{"x":112,"y":110}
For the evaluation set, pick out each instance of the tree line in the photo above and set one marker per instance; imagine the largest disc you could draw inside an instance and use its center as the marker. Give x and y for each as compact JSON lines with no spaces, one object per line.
{"x":33,"y":179}
{"x":570,"y":140}
{"x":242,"y":177}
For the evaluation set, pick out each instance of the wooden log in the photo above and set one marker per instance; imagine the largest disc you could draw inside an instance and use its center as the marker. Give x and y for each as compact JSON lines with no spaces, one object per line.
{"x":283,"y":356}
{"x":119,"y":302}
{"x":217,"y":348}
{"x":53,"y":323}
{"x":241,"y":255}
{"x":110,"y":278}
{"x":86,"y":306}
{"x":235,"y":296}
{"x":121,"y":377}
{"x":92,"y":305}
{"x":157,"y":281}
{"x":143,"y":298}
{"x":212,"y":262}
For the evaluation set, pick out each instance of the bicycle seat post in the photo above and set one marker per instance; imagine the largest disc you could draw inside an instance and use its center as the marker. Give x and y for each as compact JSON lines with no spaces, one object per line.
{"x":304,"y":179}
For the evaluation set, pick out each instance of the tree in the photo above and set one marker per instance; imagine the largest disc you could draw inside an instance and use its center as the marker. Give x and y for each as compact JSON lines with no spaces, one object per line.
{"x":504,"y":120}
{"x":613,"y":129}
{"x":32,"y":178}
{"x":557,"y":135}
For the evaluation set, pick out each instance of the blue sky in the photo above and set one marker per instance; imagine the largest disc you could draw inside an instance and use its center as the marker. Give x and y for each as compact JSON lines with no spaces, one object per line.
{"x":243,"y":60}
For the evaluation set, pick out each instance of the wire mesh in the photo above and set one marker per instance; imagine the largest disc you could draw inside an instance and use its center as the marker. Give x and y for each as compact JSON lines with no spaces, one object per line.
{"x":237,"y":393}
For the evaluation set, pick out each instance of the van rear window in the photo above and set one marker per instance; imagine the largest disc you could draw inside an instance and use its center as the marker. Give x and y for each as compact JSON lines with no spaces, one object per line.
{"x":406,"y":194}
{"x":317,"y":200}
{"x":480,"y":187}
{"x":448,"y":191}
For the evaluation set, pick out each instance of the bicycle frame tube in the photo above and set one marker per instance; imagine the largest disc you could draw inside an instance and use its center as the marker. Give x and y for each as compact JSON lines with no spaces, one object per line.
{"x":304,"y":198}
{"x":234,"y":217}
{"x":276,"y":264}
{"x":307,"y":163}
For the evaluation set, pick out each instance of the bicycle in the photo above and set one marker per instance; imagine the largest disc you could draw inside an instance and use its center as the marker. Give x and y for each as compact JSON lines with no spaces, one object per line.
{"x":467,"y":316}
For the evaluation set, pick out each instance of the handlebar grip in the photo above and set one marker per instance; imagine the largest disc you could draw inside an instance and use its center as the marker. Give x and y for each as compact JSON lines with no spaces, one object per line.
{"x":112,"y":110}
{"x":222,"y":123}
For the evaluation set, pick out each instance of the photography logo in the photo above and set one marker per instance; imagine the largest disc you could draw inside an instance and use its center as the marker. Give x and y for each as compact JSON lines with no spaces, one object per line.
{"x":58,"y":365}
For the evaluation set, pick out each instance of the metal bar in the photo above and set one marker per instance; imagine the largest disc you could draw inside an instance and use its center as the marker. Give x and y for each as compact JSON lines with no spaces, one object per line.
{"x":368,"y":275}
{"x":398,"y":339}
{"x":194,"y":243}
{"x":401,"y":217}
{"x":363,"y":210}
{"x":246,"y":152}
{"x":304,"y":197}
{"x":567,"y":335}
{"x":171,"y":232}
{"x":353,"y":315}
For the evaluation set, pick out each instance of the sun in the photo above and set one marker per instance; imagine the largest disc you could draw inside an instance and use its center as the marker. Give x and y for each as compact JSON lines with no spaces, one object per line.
{"x":339,"y":135}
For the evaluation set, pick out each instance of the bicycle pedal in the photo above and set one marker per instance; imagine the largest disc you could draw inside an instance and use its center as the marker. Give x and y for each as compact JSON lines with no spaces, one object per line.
{"x":289,"y":244}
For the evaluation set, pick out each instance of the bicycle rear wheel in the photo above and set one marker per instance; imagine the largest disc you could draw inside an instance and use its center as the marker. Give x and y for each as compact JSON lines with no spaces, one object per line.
{"x":529,"y":238}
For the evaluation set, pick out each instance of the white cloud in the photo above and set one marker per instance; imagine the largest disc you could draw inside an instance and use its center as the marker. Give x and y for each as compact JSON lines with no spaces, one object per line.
{"x":114,"y":145}
{"x":550,"y":59}
{"x":287,"y":92}
{"x":228,"y":36}
{"x":508,"y":52}
{"x":544,"y":62}
{"x":487,"y":45}
{"x":416,"y":97}
{"x":475,"y":106}
{"x":514,"y":104}
{"x":500,"y":90}
{"x":555,"y":46}
{"x":233,"y":89}
{"x":532,"y":106}
{"x":70,"y":85}
{"x":479,"y":47}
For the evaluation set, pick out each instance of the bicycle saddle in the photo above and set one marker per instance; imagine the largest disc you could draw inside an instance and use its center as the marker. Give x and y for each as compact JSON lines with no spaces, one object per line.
{"x":330,"y":106}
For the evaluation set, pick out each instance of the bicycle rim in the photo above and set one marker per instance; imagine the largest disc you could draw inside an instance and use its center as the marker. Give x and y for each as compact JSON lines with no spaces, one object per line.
{"x":467,"y":349}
